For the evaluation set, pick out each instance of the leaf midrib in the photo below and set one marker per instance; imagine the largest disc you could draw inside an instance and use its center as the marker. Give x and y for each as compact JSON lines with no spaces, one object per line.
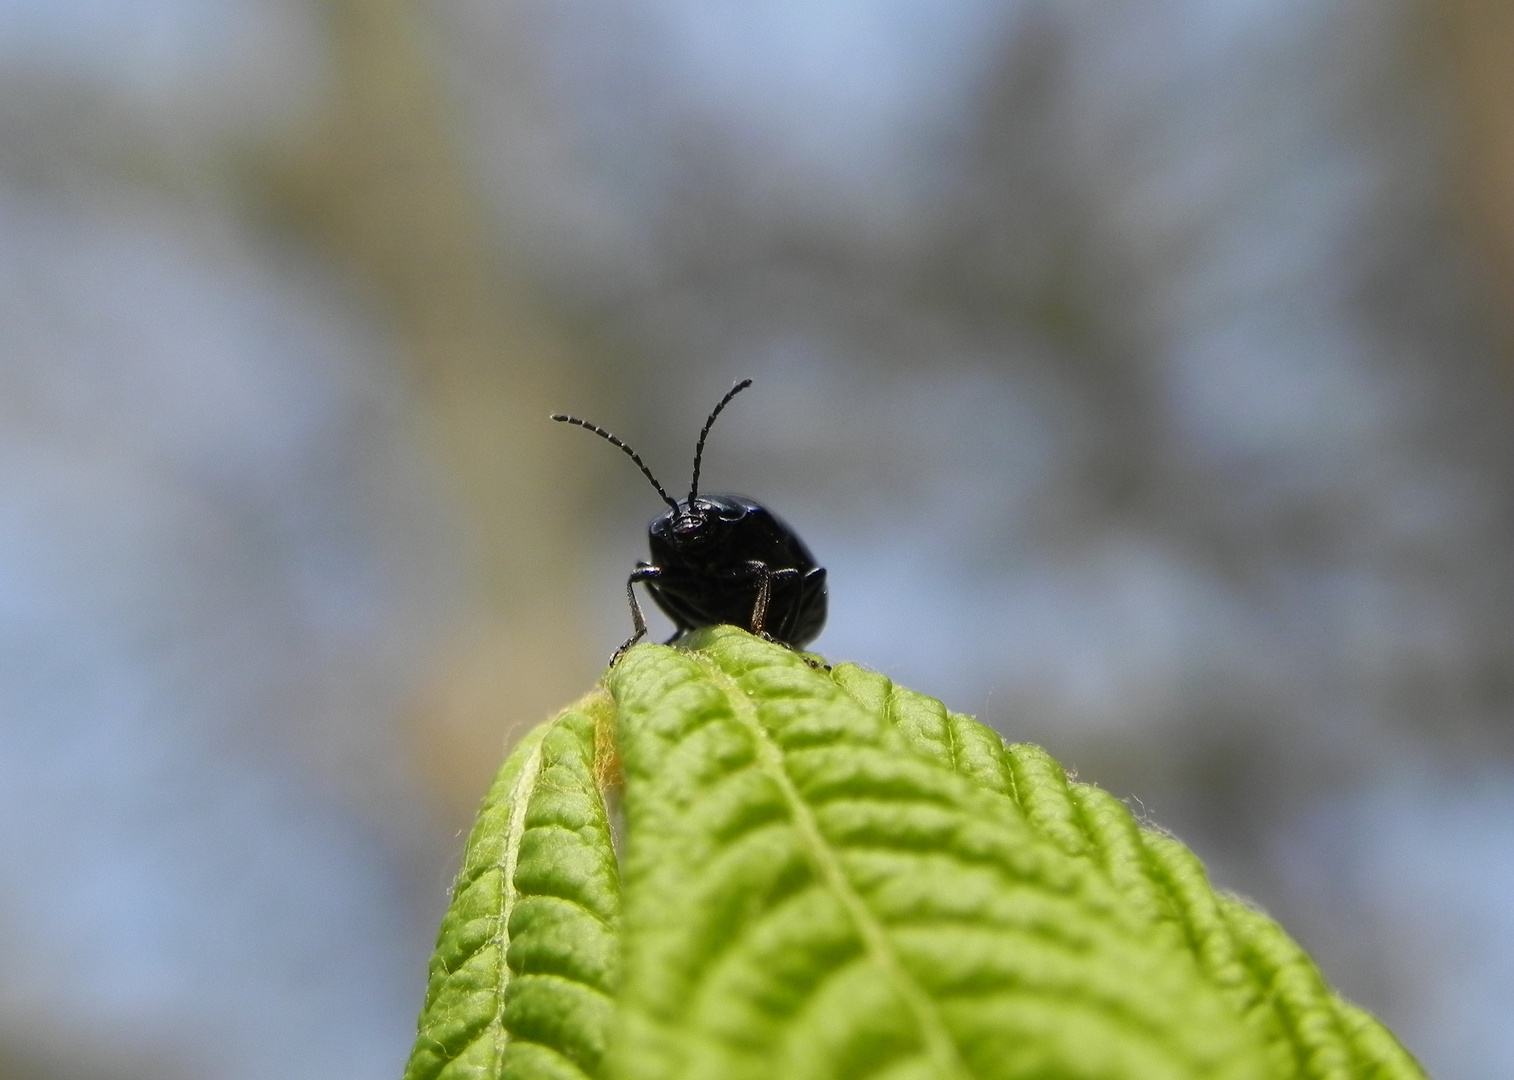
{"x":940,"y":1048}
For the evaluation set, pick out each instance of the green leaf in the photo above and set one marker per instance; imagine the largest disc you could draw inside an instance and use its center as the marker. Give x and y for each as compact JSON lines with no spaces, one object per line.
{"x":1267,"y":978}
{"x":827,"y":876}
{"x":527,"y":960}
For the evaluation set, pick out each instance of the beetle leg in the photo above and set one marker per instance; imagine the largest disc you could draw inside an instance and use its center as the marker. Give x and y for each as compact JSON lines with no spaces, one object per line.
{"x":765,"y":579}
{"x":643,"y":572}
{"x":764,"y":595}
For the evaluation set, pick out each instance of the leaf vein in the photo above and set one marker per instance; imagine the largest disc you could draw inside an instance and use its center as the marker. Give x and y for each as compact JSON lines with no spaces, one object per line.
{"x":514,"y":832}
{"x":940,"y":1047}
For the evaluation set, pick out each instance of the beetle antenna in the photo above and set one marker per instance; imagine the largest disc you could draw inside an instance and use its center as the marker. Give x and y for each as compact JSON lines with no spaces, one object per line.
{"x":699,"y":449}
{"x":564,"y":418}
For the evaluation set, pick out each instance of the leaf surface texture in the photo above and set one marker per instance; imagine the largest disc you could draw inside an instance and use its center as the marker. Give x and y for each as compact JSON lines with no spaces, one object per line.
{"x":830,"y":877}
{"x":526,"y":965}
{"x":822,"y":882}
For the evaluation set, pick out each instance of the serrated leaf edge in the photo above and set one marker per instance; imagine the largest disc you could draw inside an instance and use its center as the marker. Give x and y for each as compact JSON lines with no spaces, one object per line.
{"x":1324,"y":1036}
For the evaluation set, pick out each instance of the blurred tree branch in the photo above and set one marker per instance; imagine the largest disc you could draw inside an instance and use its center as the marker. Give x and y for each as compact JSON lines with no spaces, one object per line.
{"x":1478,"y":42}
{"x":382,"y":183}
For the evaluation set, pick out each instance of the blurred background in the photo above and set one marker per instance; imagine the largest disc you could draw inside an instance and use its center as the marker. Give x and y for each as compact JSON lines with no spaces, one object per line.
{"x":1141,"y":372}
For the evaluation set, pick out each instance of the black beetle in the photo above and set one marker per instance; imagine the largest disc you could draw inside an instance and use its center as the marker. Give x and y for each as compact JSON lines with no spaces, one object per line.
{"x":723,"y":559}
